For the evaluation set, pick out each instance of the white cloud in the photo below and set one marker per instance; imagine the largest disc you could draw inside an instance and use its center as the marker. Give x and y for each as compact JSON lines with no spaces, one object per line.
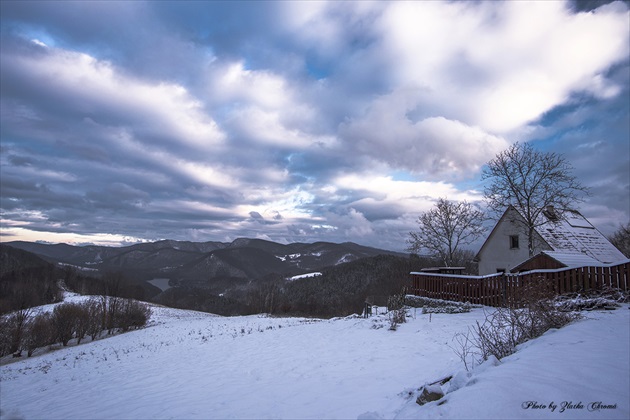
{"x":434,"y":146}
{"x":233,"y":83}
{"x":304,"y":123}
{"x":383,"y":192}
{"x":501,"y":65}
{"x":105,"y":239}
{"x":96,"y":87}
{"x":330,"y":27}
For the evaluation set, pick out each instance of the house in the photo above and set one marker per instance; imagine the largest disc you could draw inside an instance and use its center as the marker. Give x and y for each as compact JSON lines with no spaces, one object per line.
{"x":562,"y":239}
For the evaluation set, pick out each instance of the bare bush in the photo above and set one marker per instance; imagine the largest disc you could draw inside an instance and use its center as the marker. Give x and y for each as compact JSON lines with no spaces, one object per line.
{"x":95,"y":316}
{"x":605,"y":298}
{"x":64,"y":320}
{"x":397,"y":312}
{"x":532,"y":314}
{"x":132,"y":314}
{"x":5,"y":336}
{"x":39,"y":333}
{"x":466,"y":348}
{"x":82,"y":321}
{"x":13,"y":330}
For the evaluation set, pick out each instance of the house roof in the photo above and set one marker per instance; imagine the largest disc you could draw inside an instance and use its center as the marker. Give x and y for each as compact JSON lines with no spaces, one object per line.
{"x":572,"y":260}
{"x":572,"y":234}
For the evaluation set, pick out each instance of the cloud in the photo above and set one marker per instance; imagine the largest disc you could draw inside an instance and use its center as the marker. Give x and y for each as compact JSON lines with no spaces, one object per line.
{"x":91,"y":88}
{"x":434,"y":146}
{"x":490,"y":68}
{"x":295,"y":121}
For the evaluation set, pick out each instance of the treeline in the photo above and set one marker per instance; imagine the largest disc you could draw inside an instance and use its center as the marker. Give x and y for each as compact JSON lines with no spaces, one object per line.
{"x":25,"y":330}
{"x":202,"y":299}
{"x":27,"y":281}
{"x":340,"y":290}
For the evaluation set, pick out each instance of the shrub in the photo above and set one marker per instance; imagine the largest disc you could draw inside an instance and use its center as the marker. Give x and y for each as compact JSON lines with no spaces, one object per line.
{"x":5,"y":336}
{"x":39,"y":333}
{"x":64,"y":321}
{"x":82,"y":321}
{"x":95,"y":316}
{"x":133,"y":314}
{"x":13,"y":330}
{"x":397,"y":311}
{"x":431,"y":305}
{"x":534,"y":312}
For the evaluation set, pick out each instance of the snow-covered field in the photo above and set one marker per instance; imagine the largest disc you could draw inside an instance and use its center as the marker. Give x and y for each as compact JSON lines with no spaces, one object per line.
{"x":195,"y":365}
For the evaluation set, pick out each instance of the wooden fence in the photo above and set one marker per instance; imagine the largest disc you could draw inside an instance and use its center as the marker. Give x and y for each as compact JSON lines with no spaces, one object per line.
{"x":504,"y":289}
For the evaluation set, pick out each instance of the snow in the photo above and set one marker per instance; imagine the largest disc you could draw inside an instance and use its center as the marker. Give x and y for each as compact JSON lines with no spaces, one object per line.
{"x":573,"y":260}
{"x":574,"y":234}
{"x":78,"y":267}
{"x":346,"y":258}
{"x":303,"y":276}
{"x":290,"y":257}
{"x":194,"y":365}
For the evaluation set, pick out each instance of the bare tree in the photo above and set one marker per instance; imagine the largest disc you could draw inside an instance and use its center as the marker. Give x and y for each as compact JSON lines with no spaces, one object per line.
{"x":111,"y":301}
{"x":82,"y":321}
{"x":531,"y":181}
{"x":621,"y":239}
{"x":39,"y":333}
{"x":133,"y":314}
{"x":16,"y":325}
{"x":445,"y":228}
{"x":96,"y":324}
{"x":64,"y":320}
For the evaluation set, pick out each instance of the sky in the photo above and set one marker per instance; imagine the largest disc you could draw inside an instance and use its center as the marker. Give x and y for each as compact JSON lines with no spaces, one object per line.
{"x":297,"y":121}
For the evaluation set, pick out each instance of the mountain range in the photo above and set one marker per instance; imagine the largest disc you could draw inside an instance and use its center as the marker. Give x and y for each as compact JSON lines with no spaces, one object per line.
{"x":200,"y":262}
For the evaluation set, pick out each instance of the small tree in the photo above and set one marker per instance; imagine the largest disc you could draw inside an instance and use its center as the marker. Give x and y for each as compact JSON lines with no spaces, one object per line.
{"x":38,"y":333}
{"x":133,"y":314}
{"x":621,"y":239}
{"x":111,"y":301}
{"x":95,"y":311}
{"x":82,"y":321}
{"x":530,"y":181}
{"x":16,"y":325}
{"x":446,"y":228}
{"x":64,"y":320}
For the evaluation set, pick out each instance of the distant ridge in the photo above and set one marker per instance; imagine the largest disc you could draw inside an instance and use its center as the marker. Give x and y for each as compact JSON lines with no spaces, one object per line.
{"x":243,"y":258}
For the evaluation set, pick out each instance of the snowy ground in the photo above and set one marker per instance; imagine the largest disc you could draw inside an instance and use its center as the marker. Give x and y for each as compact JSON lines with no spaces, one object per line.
{"x":196,"y":365}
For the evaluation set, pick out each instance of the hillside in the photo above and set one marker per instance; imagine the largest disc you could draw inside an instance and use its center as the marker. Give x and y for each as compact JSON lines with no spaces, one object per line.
{"x":14,"y":259}
{"x":197,"y":365}
{"x":26,"y":280}
{"x":192,"y":261}
{"x":242,"y":277}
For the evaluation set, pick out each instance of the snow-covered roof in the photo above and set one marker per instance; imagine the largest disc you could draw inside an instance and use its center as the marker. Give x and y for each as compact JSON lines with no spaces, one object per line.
{"x":572,"y":260}
{"x":570,"y":233}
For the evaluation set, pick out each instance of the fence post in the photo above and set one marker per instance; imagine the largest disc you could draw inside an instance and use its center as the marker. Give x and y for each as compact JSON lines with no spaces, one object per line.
{"x":504,"y":289}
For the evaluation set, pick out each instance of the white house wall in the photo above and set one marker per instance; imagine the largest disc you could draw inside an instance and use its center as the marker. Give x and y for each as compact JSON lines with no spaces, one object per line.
{"x":497,"y":255}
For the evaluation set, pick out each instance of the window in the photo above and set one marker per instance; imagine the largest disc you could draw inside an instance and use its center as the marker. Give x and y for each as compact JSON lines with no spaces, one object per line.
{"x":514,"y":242}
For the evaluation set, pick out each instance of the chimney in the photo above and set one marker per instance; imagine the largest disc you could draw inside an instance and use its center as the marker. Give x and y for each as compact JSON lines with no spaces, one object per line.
{"x":550,"y":212}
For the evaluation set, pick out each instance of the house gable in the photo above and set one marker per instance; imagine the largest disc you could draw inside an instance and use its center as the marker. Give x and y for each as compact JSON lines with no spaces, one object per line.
{"x":498,"y":252}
